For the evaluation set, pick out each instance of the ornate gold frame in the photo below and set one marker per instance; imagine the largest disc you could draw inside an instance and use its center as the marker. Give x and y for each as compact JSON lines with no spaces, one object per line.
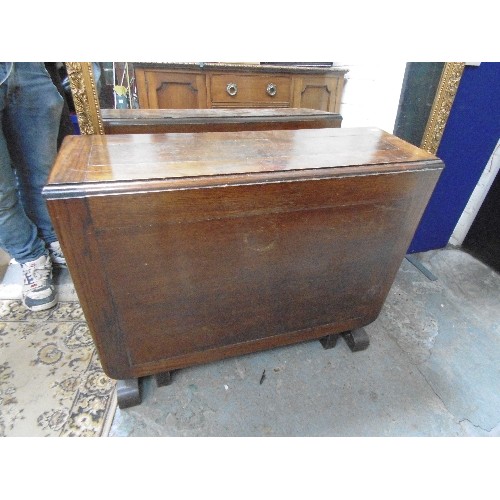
{"x":89,"y":113}
{"x":441,"y":107}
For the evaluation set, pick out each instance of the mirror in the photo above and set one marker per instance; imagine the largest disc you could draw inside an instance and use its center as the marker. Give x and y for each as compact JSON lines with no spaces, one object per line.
{"x":127,"y":93}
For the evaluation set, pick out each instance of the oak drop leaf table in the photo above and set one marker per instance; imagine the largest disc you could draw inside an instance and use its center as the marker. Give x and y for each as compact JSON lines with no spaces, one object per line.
{"x":189,"y":248}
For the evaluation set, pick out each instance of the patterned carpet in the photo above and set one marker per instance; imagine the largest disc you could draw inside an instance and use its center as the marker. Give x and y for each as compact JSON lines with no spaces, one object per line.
{"x":51,"y":380}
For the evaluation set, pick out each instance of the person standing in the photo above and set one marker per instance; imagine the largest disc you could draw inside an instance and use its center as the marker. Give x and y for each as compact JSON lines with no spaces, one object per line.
{"x":30,"y":113}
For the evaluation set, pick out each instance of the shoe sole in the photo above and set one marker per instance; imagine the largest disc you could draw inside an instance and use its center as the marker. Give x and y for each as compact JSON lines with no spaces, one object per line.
{"x":42,"y":307}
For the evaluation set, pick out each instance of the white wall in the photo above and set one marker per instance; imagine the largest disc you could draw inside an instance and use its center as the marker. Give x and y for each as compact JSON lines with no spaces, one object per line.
{"x":371,"y":94}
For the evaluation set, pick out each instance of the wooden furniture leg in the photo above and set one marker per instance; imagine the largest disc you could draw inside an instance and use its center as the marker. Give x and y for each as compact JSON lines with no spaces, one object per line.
{"x":357,"y":340}
{"x":329,"y":341}
{"x":163,"y":379}
{"x":127,"y":392}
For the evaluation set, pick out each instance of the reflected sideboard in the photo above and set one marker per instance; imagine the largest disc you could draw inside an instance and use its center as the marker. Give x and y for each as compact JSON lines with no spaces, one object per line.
{"x":225,"y":85}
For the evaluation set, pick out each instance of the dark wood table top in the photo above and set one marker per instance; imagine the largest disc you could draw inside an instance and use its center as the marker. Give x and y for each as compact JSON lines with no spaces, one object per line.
{"x":231,"y":157}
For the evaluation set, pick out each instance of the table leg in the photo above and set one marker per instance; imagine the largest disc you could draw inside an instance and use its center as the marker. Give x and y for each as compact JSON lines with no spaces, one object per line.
{"x":127,"y":392}
{"x":329,"y":341}
{"x":357,"y":340}
{"x":163,"y":379}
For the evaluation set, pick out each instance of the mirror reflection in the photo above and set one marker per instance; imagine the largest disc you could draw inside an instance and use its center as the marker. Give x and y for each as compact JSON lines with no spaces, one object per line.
{"x":365,"y":94}
{"x":116,"y":85}
{"x":412,"y":100}
{"x":133,"y":85}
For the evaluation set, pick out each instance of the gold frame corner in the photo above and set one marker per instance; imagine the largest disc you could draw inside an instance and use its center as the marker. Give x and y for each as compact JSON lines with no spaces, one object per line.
{"x":85,"y":98}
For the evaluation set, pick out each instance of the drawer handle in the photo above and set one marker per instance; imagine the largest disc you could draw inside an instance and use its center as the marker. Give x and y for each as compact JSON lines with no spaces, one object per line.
{"x":271,"y":89}
{"x":232,"y":88}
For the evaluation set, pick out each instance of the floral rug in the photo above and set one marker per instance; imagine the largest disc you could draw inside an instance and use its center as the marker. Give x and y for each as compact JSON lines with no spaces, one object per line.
{"x":51,"y":380}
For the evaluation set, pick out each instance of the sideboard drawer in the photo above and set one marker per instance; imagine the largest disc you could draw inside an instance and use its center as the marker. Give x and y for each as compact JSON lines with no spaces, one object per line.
{"x":250,"y":90}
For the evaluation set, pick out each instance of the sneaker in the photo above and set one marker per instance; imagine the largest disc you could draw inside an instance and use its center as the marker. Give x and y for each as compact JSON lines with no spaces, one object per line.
{"x":39,"y":292}
{"x":56,"y":254}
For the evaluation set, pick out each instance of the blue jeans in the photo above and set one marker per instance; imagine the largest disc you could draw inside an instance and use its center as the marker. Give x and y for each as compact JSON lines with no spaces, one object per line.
{"x":30,"y":113}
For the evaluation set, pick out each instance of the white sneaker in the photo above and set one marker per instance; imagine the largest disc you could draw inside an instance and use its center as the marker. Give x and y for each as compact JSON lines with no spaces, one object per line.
{"x":39,"y":292}
{"x":56,"y":254}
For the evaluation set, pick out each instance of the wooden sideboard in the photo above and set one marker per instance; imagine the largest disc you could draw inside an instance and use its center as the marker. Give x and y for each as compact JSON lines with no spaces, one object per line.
{"x":217,"y":85}
{"x":189,"y":248}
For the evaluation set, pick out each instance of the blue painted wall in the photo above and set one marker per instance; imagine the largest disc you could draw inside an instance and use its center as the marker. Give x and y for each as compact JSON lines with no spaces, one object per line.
{"x":471,"y":133}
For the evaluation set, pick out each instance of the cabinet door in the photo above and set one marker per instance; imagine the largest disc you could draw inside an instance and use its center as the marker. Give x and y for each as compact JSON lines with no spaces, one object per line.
{"x":159,"y":89}
{"x":318,"y":92}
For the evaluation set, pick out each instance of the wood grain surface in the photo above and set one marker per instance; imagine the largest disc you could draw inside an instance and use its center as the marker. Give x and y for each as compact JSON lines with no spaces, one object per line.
{"x":188,"y":248}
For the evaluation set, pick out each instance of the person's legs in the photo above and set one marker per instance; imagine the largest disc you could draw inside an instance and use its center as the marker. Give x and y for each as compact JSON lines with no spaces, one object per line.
{"x":31,"y":127}
{"x":18,"y":232}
